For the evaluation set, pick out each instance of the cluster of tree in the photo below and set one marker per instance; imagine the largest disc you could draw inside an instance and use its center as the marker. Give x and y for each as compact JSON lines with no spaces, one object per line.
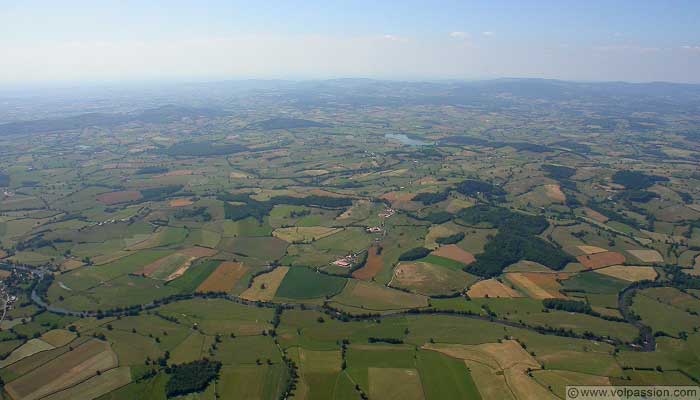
{"x":516,"y":240}
{"x":202,"y":149}
{"x":42,"y":286}
{"x":636,"y":180}
{"x":473,"y":187}
{"x":197,"y":212}
{"x":568,"y":305}
{"x":431,"y":198}
{"x":191,"y":377}
{"x":414,"y":254}
{"x":558,"y":171}
{"x":151,"y":170}
{"x":452,"y":239}
{"x":638,"y":196}
{"x":503,"y":219}
{"x":384,"y":340}
{"x":159,"y":193}
{"x":4,"y":179}
{"x":439,"y":217}
{"x":507,"y":248}
{"x":259,"y":209}
{"x":613,"y":215}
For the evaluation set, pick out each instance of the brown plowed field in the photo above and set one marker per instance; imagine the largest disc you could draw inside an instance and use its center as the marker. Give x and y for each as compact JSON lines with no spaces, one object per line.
{"x":372,"y":267}
{"x":224,"y":278}
{"x":119,"y":197}
{"x":453,"y":252}
{"x":600,"y":260}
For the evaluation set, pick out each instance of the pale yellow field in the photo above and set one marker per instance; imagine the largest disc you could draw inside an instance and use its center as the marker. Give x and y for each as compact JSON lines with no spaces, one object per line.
{"x":304,"y":234}
{"x":591,"y":249}
{"x":491,"y":288}
{"x":265,"y":286}
{"x":647,"y":256}
{"x":33,"y":346}
{"x":180,"y":202}
{"x":538,"y":285}
{"x":629,"y":273}
{"x":438,"y":231}
{"x":65,"y":371}
{"x":499,"y":369}
{"x":58,"y":337}
{"x":554,"y":193}
{"x":96,"y":386}
{"x":395,"y":384}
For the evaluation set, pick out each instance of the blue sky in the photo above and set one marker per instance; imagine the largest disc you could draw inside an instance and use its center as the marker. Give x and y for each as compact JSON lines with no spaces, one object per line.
{"x":97,"y":40}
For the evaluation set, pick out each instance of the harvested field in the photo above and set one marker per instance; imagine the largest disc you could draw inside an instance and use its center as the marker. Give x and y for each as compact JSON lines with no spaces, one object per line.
{"x":372,"y":267}
{"x":591,"y":249}
{"x":558,"y":380}
{"x":395,"y":384}
{"x":239,"y":175}
{"x":373,"y":296}
{"x":33,"y":346}
{"x":176,"y":264}
{"x":600,"y":260}
{"x":224,"y":278}
{"x":303,"y":234}
{"x":3,"y":254}
{"x":499,"y":369}
{"x":397,"y":197}
{"x":647,"y":256}
{"x":554,"y":193}
{"x":629,"y":273}
{"x":64,"y":371}
{"x":491,"y":288}
{"x":265,"y":286}
{"x":58,"y":337}
{"x":180,"y":172}
{"x":453,"y":252}
{"x":95,"y":386}
{"x":429,"y":279}
{"x":118,"y":197}
{"x":180,"y":202}
{"x":538,"y":285}
{"x":71,"y":264}
{"x":595,"y":215}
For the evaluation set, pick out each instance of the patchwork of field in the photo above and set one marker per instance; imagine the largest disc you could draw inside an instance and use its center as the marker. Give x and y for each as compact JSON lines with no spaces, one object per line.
{"x":500,"y":370}
{"x":65,"y":371}
{"x":118,"y":197}
{"x":224,"y":278}
{"x":265,"y":286}
{"x":371,"y":296}
{"x":304,"y":234}
{"x":629,"y":273}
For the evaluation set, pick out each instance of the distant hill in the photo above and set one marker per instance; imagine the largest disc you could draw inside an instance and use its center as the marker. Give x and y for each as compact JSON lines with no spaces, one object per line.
{"x":165,"y":114}
{"x":285,"y":123}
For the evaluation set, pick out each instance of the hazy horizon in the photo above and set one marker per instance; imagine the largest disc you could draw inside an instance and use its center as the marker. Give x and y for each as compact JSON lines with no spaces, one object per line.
{"x":78,"y":41}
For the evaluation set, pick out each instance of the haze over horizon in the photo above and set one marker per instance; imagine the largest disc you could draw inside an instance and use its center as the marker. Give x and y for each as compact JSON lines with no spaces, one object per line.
{"x":80,"y":41}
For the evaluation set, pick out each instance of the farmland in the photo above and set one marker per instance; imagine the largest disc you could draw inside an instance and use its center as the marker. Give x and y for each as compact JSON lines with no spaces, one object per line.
{"x":302,"y":248}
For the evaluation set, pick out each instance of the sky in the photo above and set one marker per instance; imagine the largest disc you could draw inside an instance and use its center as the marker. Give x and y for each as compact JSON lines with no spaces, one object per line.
{"x":48,"y":41}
